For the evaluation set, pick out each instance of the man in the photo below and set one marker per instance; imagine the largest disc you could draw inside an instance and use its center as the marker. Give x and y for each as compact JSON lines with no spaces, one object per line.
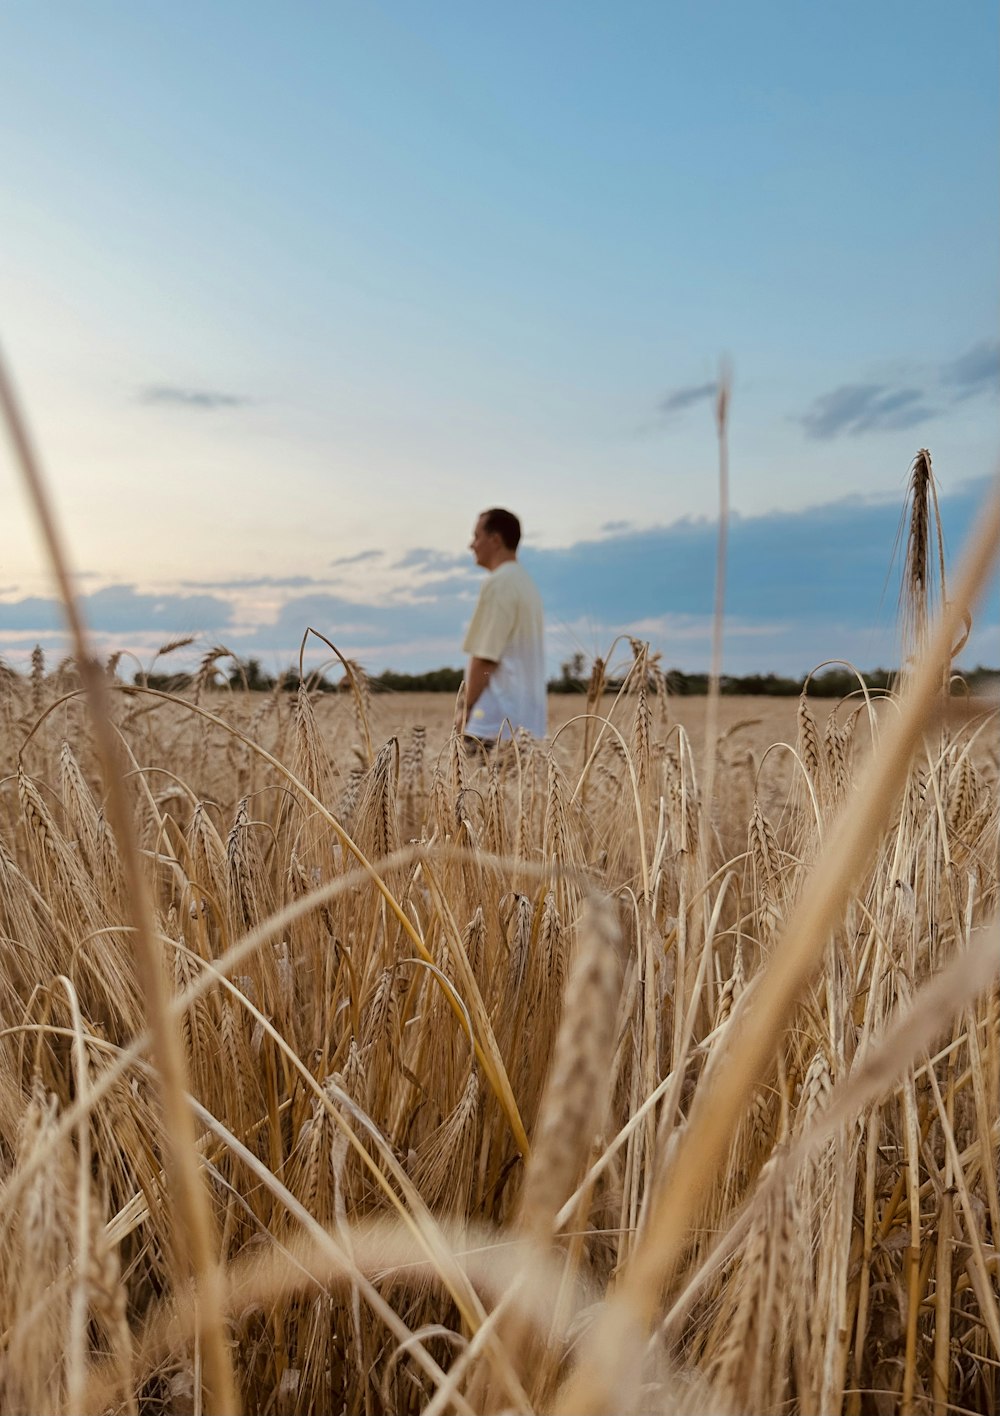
{"x":505,"y":679}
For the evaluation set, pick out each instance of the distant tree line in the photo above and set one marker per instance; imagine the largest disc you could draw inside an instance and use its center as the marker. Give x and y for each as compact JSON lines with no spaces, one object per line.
{"x":251,"y":675}
{"x":834,"y":682}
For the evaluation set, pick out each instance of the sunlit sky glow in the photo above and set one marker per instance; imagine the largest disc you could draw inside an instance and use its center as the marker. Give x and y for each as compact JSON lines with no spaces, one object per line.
{"x":291,"y":293}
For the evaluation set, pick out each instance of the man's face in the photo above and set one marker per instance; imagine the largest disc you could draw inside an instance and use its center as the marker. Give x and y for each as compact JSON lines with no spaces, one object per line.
{"x":484,"y":544}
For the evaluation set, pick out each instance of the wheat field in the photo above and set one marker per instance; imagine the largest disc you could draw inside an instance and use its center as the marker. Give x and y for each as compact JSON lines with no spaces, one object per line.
{"x":343,"y":1071}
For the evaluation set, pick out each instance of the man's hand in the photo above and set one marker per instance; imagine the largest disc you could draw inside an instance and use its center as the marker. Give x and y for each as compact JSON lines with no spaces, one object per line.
{"x":477,"y":677}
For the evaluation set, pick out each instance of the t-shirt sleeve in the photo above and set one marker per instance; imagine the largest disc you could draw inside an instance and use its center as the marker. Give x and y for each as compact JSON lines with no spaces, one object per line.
{"x":492,"y":624}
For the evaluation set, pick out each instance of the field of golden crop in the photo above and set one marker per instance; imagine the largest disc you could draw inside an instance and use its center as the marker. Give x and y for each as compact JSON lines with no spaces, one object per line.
{"x":345,"y":1072}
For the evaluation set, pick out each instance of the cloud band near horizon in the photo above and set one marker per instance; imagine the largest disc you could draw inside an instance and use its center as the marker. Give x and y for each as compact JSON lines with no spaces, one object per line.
{"x":801,"y":586}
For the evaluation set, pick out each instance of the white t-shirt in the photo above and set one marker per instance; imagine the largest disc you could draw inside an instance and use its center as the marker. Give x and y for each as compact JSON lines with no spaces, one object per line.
{"x":507,"y":628}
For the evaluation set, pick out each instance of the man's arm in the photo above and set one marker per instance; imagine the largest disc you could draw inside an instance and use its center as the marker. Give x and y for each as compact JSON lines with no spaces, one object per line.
{"x":477,"y":676}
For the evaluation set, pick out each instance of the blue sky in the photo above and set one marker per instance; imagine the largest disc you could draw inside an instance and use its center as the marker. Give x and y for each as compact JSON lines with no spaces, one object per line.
{"x":291,"y":293}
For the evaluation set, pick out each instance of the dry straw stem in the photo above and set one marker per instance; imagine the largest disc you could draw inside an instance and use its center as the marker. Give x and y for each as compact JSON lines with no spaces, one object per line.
{"x":426,"y":1240}
{"x":633,"y":782}
{"x":606,"y":1380}
{"x":723,"y":393}
{"x":422,"y":1225}
{"x":985,"y":1290}
{"x":875,"y":1073}
{"x":379,"y":1250}
{"x":76,"y":1383}
{"x":487,"y":1051}
{"x":338,"y":1260}
{"x":489,"y":1057}
{"x":349,"y":670}
{"x":571,"y":1111}
{"x":208,"y":979}
{"x":419,"y":1246}
{"x":670,"y":1085}
{"x":195,"y":1230}
{"x":435,"y":1253}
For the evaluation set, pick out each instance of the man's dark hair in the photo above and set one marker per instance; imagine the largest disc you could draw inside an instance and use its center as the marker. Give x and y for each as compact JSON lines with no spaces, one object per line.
{"x":505,"y":524}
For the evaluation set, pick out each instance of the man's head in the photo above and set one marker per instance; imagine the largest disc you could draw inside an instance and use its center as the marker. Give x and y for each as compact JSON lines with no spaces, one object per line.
{"x":495,"y":538}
